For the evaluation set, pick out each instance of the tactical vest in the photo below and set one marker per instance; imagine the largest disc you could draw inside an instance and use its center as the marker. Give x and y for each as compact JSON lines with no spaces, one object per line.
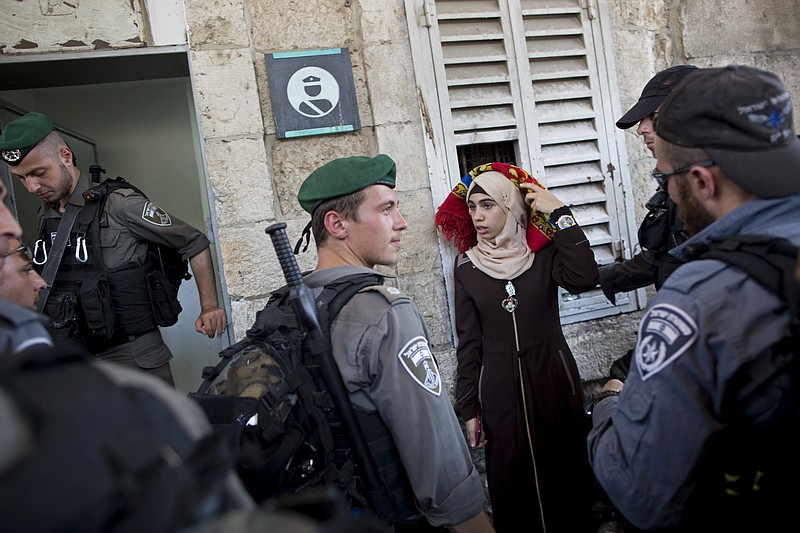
{"x":98,"y":306}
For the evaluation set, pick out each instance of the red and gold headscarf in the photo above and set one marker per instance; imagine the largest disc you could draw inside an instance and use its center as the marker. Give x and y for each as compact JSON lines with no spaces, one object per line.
{"x":453,"y":220}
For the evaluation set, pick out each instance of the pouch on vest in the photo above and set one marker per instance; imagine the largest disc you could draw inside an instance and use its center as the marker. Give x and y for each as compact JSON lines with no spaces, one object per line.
{"x":95,"y":299}
{"x":654,"y":230}
{"x":166,"y":307}
{"x":62,"y":310}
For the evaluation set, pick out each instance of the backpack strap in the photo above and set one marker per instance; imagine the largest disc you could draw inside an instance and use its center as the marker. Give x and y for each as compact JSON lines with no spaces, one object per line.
{"x":335,"y":295}
{"x":331,"y":300}
{"x":57,"y":252}
{"x":769,"y":260}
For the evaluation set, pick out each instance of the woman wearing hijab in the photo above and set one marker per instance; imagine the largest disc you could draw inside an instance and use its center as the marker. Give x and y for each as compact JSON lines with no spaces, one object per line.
{"x":518,"y":388}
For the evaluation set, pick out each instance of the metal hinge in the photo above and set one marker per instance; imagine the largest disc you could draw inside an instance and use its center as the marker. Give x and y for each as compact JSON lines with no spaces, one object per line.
{"x":429,"y":7}
{"x":591,"y":8}
{"x":618,"y":249}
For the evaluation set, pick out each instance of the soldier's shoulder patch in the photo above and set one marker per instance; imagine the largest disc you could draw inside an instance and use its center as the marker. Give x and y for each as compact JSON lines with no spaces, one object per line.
{"x":666,"y":332}
{"x":387,"y":291}
{"x":417,"y":358}
{"x":155,"y":215}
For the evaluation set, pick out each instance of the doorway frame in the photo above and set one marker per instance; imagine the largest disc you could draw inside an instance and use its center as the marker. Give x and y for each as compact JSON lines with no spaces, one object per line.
{"x":52,"y":71}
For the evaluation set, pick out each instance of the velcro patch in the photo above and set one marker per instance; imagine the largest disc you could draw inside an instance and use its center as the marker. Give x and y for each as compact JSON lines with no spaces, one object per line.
{"x":390,"y":293}
{"x":666,"y":332}
{"x":155,"y":215}
{"x":417,"y":359}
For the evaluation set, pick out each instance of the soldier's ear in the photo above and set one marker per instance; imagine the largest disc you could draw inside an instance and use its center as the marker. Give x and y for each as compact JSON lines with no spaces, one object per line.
{"x":65,"y":153}
{"x":703,"y":181}
{"x":335,"y":225}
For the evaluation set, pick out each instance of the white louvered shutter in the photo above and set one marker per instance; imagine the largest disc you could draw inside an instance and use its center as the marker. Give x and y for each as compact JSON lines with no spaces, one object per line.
{"x":528,"y":71}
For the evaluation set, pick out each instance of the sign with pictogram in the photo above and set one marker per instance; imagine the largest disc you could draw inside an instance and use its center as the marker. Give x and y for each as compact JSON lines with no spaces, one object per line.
{"x":312,"y":92}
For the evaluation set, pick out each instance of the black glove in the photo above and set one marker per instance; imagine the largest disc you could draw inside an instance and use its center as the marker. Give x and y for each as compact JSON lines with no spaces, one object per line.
{"x":620,"y":368}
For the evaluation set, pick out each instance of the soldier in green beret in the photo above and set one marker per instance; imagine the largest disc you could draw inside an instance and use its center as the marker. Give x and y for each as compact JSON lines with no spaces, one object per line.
{"x":108,"y":290}
{"x":380,"y":343}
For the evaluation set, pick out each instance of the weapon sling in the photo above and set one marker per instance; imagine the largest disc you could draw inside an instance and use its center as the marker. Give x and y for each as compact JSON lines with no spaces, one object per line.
{"x":56,"y":252}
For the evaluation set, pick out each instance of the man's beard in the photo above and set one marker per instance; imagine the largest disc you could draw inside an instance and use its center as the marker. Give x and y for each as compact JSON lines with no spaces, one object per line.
{"x":695,"y":217}
{"x":64,"y":183}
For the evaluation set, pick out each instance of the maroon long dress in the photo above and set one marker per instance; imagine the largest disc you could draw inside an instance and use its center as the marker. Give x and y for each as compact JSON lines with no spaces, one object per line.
{"x":519,"y":371}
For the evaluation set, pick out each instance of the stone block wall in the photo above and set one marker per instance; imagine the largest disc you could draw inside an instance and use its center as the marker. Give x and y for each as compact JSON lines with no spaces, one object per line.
{"x":255,"y":175}
{"x":651,"y":36}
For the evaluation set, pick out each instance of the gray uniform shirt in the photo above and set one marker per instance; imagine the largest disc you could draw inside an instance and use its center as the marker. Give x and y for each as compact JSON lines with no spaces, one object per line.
{"x":380,"y":343}
{"x":129,"y":222}
{"x":16,"y":439}
{"x":707,"y":321}
{"x":21,"y":328}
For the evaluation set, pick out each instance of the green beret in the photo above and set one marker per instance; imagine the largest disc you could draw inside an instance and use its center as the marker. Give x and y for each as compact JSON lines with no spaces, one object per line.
{"x":22,"y":135}
{"x":343,"y":176}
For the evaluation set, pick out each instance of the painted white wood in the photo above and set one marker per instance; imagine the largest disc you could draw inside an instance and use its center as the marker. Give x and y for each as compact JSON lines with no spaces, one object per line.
{"x":166,"y":21}
{"x":538,"y":72}
{"x":37,"y":27}
{"x":420,"y":17}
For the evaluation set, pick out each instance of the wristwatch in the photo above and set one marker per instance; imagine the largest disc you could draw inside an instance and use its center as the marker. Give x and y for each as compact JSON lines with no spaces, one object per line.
{"x":591,"y":401}
{"x":565,"y":221}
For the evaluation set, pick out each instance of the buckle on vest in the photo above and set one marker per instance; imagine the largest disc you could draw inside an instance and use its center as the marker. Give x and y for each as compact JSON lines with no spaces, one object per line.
{"x":36,"y":255}
{"x":80,"y":248}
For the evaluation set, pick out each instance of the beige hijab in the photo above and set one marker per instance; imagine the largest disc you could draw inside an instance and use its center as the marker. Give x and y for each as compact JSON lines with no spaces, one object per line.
{"x":507,"y":255}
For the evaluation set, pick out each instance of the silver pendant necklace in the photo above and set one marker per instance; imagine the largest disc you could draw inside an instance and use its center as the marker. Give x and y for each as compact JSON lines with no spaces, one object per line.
{"x":510,"y":303}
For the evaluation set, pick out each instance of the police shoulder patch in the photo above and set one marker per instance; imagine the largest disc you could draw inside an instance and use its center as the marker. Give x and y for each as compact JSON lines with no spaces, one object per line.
{"x":666,"y":332}
{"x":155,"y":215}
{"x":417,"y":359}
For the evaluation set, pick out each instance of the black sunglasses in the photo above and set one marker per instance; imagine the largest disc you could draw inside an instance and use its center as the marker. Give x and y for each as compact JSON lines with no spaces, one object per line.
{"x":661,"y":176}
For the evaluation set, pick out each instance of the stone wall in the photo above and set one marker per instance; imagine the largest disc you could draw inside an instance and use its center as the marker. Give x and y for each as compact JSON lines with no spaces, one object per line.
{"x":255,"y":176}
{"x":651,"y":36}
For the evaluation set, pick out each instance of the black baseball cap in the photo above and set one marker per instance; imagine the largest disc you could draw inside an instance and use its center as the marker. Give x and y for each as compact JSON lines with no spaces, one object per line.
{"x":742,"y":117}
{"x":654,"y":94}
